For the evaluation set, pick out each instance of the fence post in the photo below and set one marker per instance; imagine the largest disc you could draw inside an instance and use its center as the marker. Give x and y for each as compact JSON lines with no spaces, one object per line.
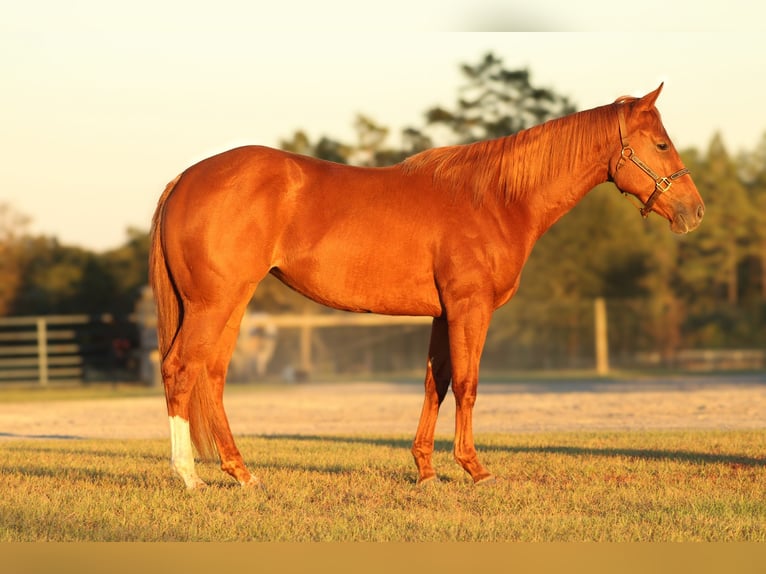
{"x":602,"y":342}
{"x":306,"y":335}
{"x":42,"y":351}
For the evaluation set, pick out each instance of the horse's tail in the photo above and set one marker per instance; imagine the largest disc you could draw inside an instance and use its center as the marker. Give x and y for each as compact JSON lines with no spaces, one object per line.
{"x":169,"y":320}
{"x":165,"y":295}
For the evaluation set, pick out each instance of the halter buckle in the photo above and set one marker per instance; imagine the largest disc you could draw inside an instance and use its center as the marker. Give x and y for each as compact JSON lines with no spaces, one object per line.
{"x":663,"y":184}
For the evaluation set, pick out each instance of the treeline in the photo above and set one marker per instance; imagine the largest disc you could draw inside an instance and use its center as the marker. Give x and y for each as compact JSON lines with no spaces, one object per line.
{"x":665,"y":292}
{"x":41,"y":276}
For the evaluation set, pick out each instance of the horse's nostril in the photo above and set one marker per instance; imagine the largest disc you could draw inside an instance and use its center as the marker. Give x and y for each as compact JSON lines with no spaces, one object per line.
{"x":700,"y":211}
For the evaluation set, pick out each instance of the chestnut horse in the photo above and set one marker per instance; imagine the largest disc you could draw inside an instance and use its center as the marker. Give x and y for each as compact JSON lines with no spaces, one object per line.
{"x":443,"y":234}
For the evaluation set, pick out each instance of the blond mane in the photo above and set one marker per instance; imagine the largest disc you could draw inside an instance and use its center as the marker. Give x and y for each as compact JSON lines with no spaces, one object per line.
{"x":515,"y":165}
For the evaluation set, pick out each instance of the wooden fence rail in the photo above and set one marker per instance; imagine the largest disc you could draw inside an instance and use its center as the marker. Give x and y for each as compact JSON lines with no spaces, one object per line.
{"x":44,"y":348}
{"x":87,"y":348}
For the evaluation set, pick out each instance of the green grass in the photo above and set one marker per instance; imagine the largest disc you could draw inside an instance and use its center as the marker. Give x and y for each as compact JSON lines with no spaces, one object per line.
{"x":638,"y":486}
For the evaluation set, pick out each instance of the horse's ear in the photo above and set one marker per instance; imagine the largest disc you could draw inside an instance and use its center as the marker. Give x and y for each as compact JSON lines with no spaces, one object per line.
{"x":649,"y":99}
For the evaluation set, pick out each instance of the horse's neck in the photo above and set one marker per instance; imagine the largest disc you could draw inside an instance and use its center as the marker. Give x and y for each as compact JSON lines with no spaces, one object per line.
{"x":588,"y":167}
{"x":556,"y":199}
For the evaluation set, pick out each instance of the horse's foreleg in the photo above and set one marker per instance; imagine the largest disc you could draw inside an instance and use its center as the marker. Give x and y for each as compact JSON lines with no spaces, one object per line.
{"x":467,"y":331}
{"x":438,"y":375}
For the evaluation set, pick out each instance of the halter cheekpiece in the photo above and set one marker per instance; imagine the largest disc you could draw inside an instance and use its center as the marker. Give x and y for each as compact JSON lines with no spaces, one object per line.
{"x":661,"y":184}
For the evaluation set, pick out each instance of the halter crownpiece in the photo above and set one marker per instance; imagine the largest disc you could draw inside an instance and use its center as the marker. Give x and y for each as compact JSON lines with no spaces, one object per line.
{"x":661,"y":184}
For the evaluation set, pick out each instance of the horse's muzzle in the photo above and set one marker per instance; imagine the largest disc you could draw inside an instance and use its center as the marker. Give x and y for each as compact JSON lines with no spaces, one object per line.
{"x":686,"y":220}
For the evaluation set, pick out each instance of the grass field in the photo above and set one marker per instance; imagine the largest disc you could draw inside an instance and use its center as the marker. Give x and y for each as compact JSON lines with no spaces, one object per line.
{"x":574,"y":486}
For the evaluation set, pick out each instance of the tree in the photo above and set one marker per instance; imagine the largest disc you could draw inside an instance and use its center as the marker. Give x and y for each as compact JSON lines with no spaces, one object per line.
{"x":753,"y":174}
{"x":371,"y":149}
{"x":126,"y":268}
{"x":326,"y":148}
{"x":62,"y":279}
{"x":715,"y":269}
{"x":51,"y":278}
{"x":496,"y":102}
{"x":13,"y":227}
{"x":712,"y":262}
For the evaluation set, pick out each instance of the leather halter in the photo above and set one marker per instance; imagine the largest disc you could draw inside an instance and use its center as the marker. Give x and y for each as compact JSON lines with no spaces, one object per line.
{"x":661,"y":184}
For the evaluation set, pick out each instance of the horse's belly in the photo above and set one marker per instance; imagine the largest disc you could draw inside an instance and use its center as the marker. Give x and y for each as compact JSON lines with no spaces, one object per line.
{"x":371,"y":285}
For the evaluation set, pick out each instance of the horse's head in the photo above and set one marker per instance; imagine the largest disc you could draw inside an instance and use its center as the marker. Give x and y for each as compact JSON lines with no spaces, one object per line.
{"x":647,"y":166}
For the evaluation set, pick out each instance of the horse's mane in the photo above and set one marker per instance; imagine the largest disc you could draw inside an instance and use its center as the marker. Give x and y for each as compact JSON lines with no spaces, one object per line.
{"x":517,"y":164}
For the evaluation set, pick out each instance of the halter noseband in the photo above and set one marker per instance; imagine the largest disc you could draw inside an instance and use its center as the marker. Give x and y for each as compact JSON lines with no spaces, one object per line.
{"x":661,"y":184}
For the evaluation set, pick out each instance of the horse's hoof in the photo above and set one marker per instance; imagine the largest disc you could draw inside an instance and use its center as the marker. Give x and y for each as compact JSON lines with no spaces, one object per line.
{"x":486,"y":481}
{"x":428,"y":481}
{"x":251,"y":482}
{"x":196,"y":485}
{"x":254,"y":484}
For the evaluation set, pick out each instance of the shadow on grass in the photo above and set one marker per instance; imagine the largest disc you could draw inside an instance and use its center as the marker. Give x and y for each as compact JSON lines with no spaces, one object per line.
{"x":96,"y":473}
{"x":33,"y":448}
{"x":677,"y":455}
{"x":83,"y":474}
{"x":40,"y":436}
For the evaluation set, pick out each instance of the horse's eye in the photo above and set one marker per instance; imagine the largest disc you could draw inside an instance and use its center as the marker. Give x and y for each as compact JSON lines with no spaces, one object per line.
{"x":662,"y":146}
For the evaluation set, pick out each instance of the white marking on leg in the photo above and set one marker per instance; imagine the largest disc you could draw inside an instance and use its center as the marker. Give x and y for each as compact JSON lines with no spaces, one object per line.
{"x":182,"y":456}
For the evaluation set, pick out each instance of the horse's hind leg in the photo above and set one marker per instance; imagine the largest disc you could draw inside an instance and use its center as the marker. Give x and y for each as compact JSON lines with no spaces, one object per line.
{"x":182,"y":370}
{"x":194,"y":372}
{"x":438,"y":376}
{"x":218,"y":363}
{"x":182,"y":455}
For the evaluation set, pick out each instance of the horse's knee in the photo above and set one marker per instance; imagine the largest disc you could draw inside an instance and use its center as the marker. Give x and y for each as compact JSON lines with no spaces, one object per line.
{"x":179,"y":382}
{"x":464,"y":400}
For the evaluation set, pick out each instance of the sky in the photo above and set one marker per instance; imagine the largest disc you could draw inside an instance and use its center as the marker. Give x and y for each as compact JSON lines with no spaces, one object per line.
{"x":103,"y":103}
